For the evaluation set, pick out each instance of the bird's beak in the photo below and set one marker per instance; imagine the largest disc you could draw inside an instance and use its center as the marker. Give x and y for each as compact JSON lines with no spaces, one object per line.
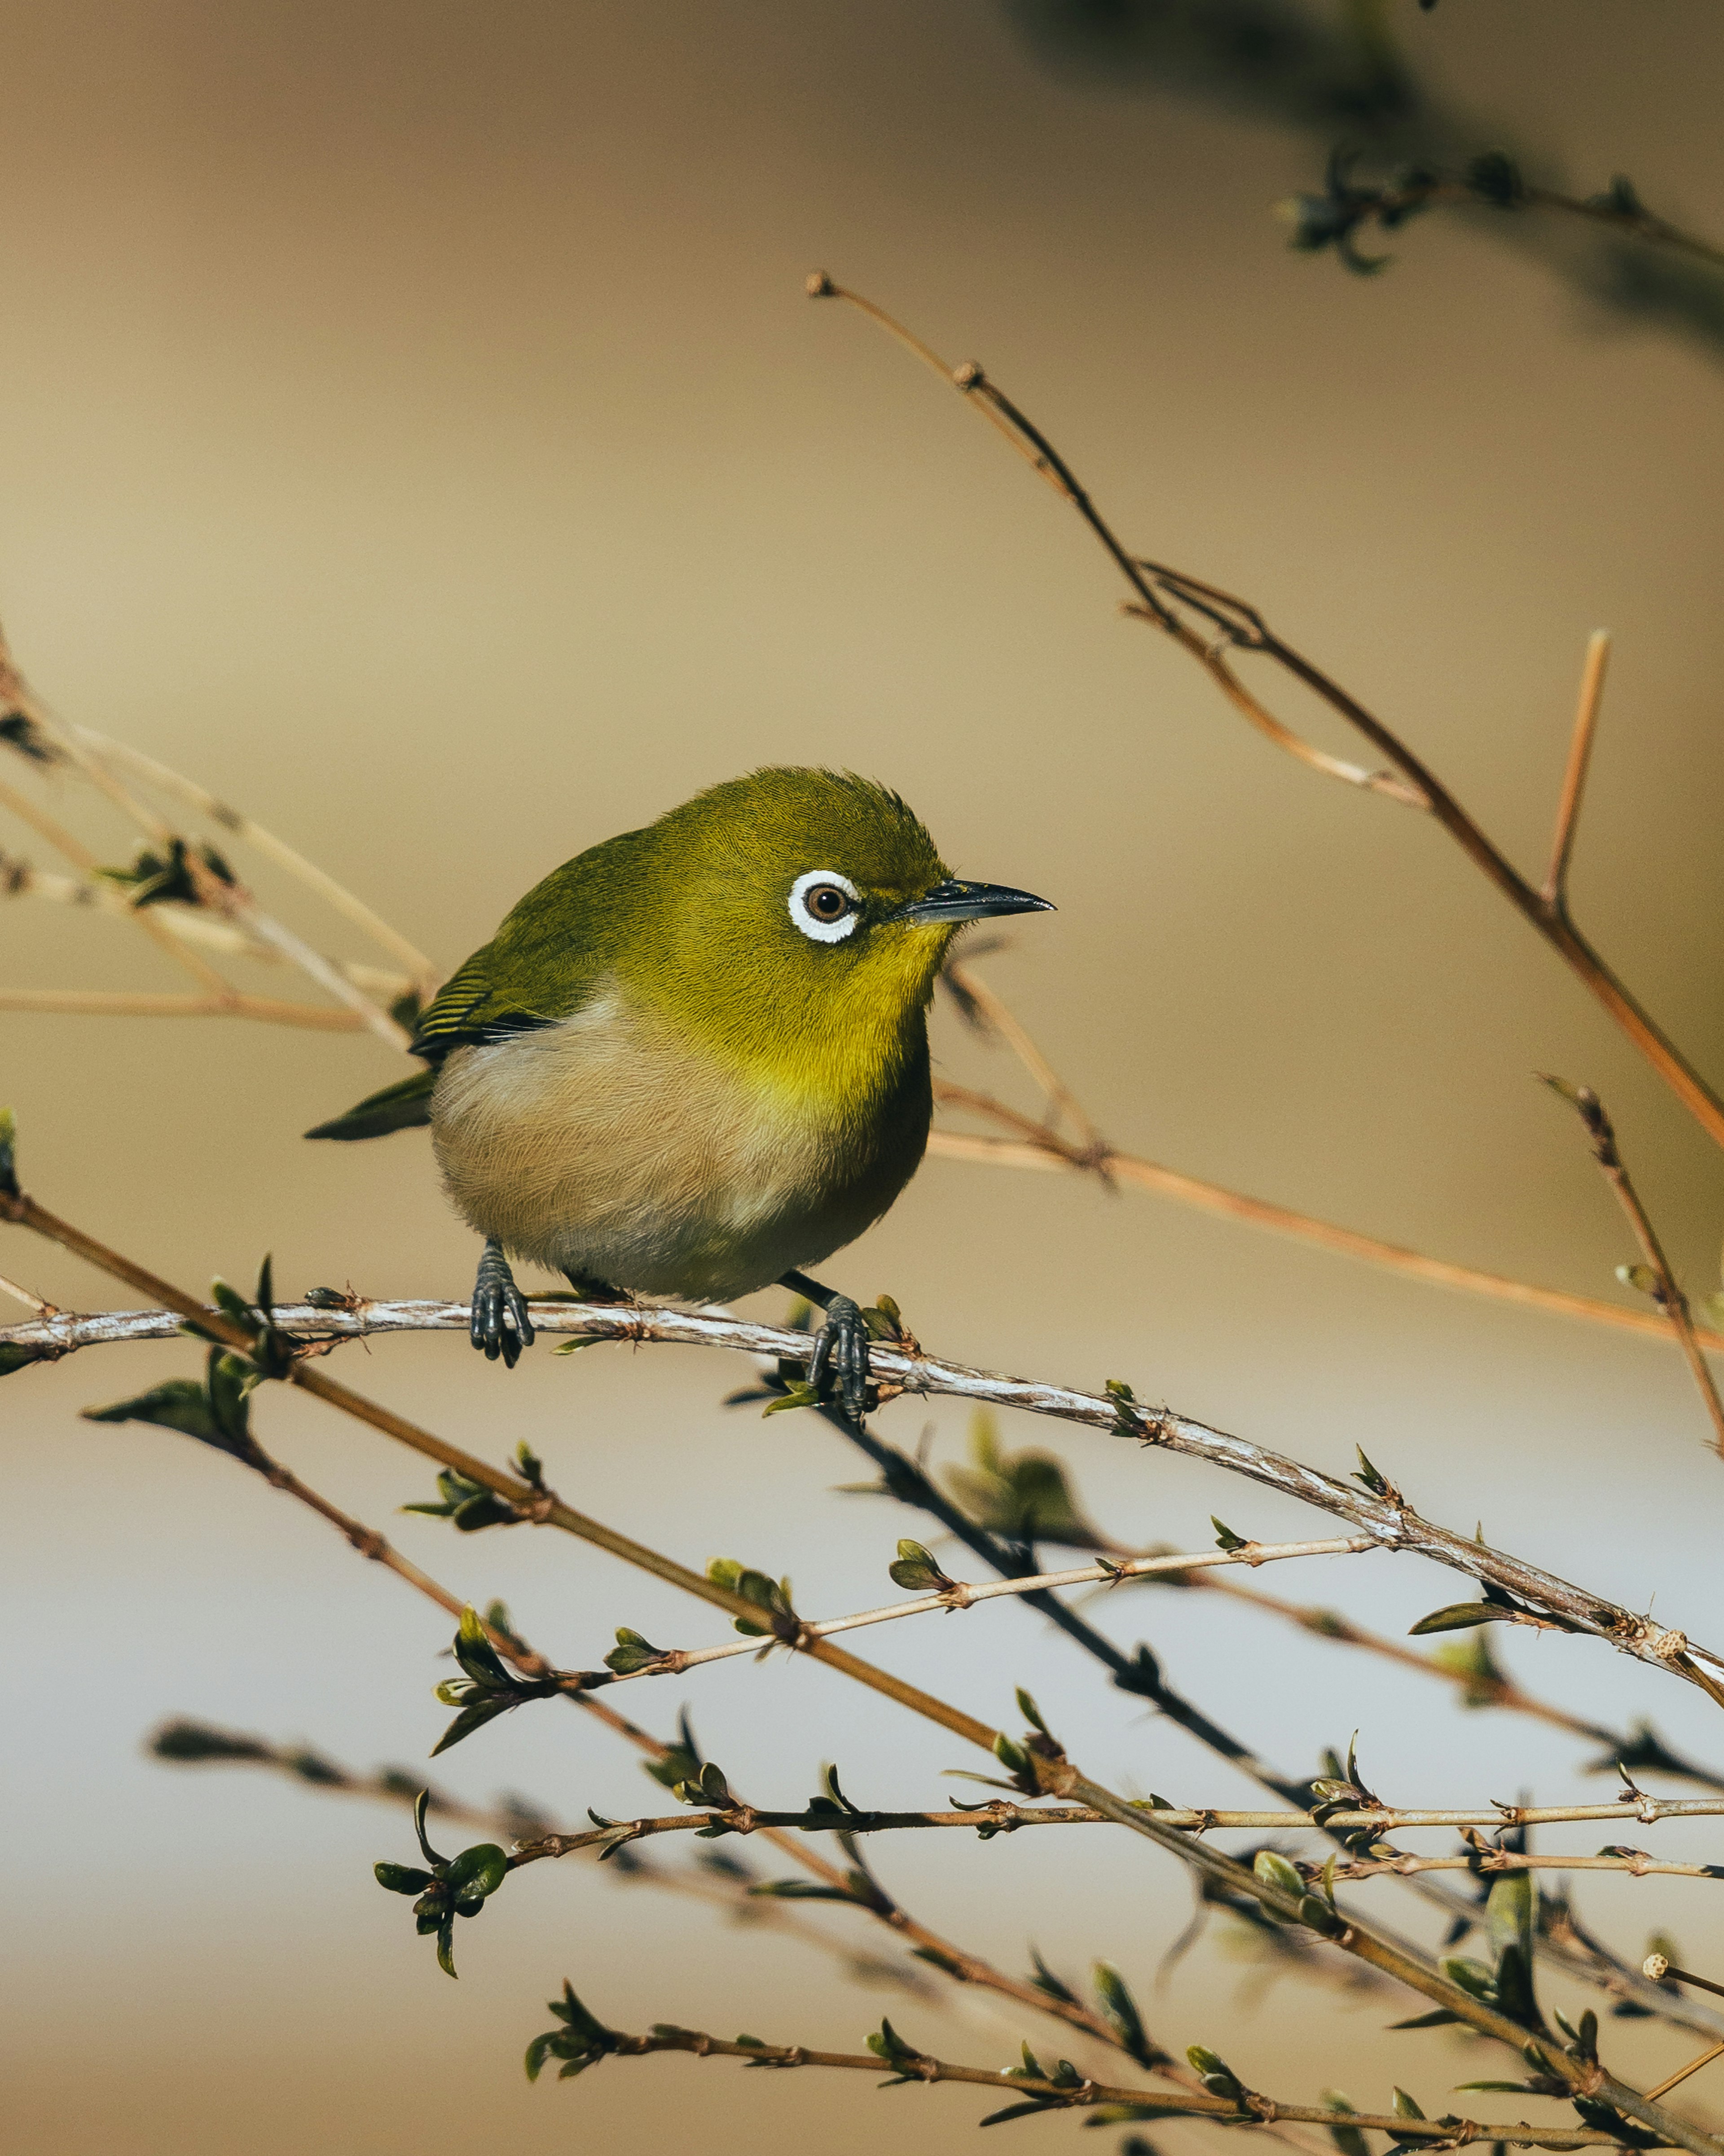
{"x":968,"y":901}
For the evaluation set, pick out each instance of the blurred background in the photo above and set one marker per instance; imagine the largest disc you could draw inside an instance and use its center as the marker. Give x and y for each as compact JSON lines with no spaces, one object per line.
{"x":412,"y":426}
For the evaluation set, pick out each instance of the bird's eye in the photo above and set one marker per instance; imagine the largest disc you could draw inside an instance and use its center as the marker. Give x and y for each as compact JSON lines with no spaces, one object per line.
{"x":825,"y":906}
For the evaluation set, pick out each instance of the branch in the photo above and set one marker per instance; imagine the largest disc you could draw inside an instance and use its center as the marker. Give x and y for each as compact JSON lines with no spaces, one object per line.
{"x":95,"y":1003}
{"x":1166,"y":598}
{"x":1040,"y":1758}
{"x":1034,"y":1146}
{"x":1382,"y":1513}
{"x":18,"y":879}
{"x":1034,"y":2092}
{"x":1663,"y":1285}
{"x":1555,"y":889}
{"x":962,"y":1594}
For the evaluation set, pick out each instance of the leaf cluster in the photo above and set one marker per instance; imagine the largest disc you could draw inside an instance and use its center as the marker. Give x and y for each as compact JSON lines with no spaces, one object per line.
{"x":486,"y":1687}
{"x":454,"y":1885}
{"x":471,"y":1505}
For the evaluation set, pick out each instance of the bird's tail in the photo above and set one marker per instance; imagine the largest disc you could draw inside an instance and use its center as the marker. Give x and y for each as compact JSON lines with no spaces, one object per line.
{"x":404,"y":1107}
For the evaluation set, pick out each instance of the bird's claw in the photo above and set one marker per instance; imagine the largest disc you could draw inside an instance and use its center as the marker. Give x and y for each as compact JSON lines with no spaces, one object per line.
{"x":839,"y":1362}
{"x":495,"y":1298}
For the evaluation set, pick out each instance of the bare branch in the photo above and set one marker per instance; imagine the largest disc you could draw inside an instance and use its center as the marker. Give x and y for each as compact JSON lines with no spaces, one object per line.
{"x":1580,"y":751}
{"x":1160,"y":593}
{"x":1664,"y":1288}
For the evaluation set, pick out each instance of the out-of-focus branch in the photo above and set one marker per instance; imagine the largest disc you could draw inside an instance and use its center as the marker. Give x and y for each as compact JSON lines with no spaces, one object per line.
{"x":424,"y":975}
{"x":1662,"y":1284}
{"x":18,"y":879}
{"x":122,"y":1002}
{"x":1206,"y":622}
{"x":1030,"y":2092}
{"x":49,"y":740}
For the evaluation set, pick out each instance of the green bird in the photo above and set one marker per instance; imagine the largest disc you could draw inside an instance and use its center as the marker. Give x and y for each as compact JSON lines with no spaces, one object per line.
{"x":694,"y":1059}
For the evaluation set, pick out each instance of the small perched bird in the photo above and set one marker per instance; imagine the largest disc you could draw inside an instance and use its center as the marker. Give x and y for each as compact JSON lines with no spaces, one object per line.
{"x":695,"y":1059}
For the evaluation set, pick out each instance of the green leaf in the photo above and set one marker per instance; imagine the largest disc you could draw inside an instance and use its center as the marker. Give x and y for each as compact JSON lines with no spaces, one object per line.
{"x":1031,"y":1712}
{"x":1641,"y":1278}
{"x":1470,"y":1976}
{"x":12,"y":1357}
{"x":1024,"y":1497}
{"x":180,"y":1403}
{"x":422,"y":1804}
{"x":473,"y":1716}
{"x":1121,"y":2009}
{"x":1225,"y":1538}
{"x":1215,"y":2072}
{"x":1459,"y":1617}
{"x":1275,"y":1872}
{"x":633,"y":1651}
{"x":1405,"y":2107}
{"x":1511,"y":1916}
{"x":1471,"y":1660}
{"x":796,"y":1396}
{"x":402,"y":1878}
{"x":1439,"y":2017}
{"x":475,"y":1652}
{"x":916,"y":1569}
{"x":1348,"y":2139}
{"x":480,"y":1869}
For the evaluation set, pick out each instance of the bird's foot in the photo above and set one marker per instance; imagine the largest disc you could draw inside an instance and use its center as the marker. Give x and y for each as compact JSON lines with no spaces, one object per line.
{"x":495,"y":1299}
{"x":838,"y":1365}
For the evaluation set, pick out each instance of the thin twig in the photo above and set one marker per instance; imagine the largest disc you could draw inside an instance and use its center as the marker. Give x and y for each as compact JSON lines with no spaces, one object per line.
{"x":1001,"y":1816}
{"x":1037,"y":1148}
{"x":1666,"y":1291}
{"x":20,"y":879}
{"x":424,"y":974}
{"x":1160,"y":592}
{"x":962,"y":1595}
{"x":1580,"y":750}
{"x":123,"y":1003}
{"x":1249,"y":2110}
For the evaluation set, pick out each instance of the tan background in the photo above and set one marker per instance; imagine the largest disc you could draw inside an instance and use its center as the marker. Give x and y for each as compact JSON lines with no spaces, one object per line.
{"x":411,"y":424}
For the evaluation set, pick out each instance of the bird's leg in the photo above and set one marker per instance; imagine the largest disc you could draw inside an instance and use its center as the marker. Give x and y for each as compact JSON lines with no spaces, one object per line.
{"x":839,"y":1362}
{"x":495,"y":1297}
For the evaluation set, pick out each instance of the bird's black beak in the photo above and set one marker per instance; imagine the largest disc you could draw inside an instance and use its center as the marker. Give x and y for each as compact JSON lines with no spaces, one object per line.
{"x":968,"y":901}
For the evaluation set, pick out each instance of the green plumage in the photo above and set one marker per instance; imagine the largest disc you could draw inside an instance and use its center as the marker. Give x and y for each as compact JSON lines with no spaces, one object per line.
{"x":696,"y":1055}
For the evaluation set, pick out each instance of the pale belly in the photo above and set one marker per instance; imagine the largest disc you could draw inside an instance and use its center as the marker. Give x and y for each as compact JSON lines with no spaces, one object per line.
{"x":605,"y":1147}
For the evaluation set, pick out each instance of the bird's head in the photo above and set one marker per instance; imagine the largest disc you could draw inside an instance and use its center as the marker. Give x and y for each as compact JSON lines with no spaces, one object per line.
{"x":801,"y":900}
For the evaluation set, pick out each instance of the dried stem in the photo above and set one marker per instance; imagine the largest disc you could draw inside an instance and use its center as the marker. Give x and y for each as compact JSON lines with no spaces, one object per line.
{"x":1037,"y":1148}
{"x":241,"y":826}
{"x":1165,"y":597}
{"x":1666,"y":1291}
{"x":120,"y":1003}
{"x":1580,"y":750}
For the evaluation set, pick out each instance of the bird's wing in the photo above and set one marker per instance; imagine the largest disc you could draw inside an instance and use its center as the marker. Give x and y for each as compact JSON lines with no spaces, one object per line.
{"x":544,"y":962}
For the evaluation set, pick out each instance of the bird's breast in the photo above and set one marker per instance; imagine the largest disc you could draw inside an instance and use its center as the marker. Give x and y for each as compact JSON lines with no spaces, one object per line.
{"x":613,"y":1145}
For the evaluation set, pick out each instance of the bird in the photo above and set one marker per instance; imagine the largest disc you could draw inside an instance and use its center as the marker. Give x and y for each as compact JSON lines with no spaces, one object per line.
{"x":693,"y":1061}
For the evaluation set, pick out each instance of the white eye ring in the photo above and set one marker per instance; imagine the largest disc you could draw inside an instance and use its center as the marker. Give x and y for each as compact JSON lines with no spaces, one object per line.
{"x":825,"y":931}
